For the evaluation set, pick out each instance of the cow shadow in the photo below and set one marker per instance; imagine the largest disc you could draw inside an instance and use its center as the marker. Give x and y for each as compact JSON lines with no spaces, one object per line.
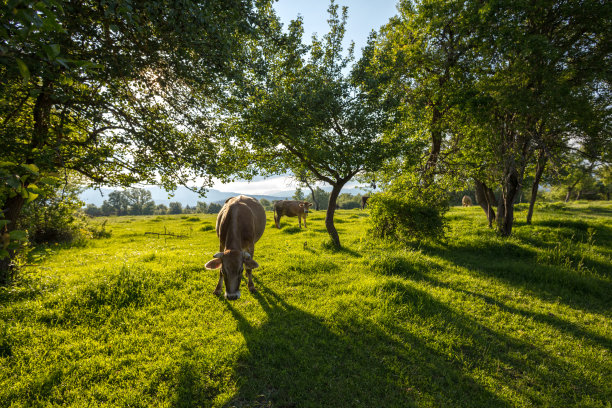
{"x":298,"y":359}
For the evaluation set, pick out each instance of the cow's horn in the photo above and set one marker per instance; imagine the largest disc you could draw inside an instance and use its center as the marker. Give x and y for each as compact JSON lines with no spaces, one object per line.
{"x":246,"y":254}
{"x":218,"y":255}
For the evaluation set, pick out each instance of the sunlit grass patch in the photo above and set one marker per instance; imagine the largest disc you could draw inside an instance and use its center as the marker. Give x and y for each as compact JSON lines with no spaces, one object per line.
{"x":474,"y":320}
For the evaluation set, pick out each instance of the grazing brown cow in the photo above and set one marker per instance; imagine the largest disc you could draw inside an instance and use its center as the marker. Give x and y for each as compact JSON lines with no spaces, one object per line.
{"x":291,"y":209}
{"x":240,"y":224}
{"x":466,"y":201}
{"x":364,"y":201}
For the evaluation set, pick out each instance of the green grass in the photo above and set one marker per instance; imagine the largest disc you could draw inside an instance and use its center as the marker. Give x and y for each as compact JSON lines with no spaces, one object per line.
{"x":475,"y":321}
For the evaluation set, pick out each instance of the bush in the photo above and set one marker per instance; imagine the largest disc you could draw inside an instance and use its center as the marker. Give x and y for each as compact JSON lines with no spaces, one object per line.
{"x":409,"y":210}
{"x":54,"y":217}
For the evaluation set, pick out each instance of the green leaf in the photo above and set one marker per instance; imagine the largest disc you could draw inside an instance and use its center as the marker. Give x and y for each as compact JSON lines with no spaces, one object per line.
{"x":3,"y":253}
{"x":33,"y":188}
{"x":32,"y":168}
{"x":4,"y":222}
{"x":18,"y":235}
{"x":23,"y":70}
{"x":52,"y":50}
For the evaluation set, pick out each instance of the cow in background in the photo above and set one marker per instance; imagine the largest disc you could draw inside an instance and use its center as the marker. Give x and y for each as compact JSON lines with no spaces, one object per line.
{"x":466,"y":201}
{"x":240,"y":224}
{"x":291,"y":208}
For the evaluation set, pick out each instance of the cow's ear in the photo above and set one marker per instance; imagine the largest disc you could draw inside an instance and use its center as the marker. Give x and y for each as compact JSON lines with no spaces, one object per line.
{"x":251,"y":264}
{"x":301,"y":204}
{"x":214,"y":263}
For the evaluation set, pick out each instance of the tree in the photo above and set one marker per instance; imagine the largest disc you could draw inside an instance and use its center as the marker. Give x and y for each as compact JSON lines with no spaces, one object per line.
{"x":267,"y":205}
{"x":305,"y":113}
{"x":138,"y":199}
{"x":539,"y":93}
{"x":298,"y":195}
{"x":175,"y":208}
{"x":201,"y":207}
{"x":92,"y":210}
{"x":214,"y":208}
{"x":118,"y":202}
{"x":118,"y":93}
{"x":543,"y":89}
{"x":161,"y":209}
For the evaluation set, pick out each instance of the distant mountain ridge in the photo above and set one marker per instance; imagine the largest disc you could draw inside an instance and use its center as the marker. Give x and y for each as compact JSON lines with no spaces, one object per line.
{"x":187,"y":197}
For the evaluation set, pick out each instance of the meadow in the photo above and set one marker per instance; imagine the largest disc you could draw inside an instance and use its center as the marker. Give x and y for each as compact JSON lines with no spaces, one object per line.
{"x":473,"y":321}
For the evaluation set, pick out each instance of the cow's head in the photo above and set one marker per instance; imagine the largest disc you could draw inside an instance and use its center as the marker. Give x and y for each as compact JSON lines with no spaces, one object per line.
{"x":232,"y":263}
{"x":305,"y":205}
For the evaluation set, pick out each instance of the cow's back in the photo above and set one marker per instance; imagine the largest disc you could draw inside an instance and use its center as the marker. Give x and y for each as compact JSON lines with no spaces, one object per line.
{"x":248,"y":210}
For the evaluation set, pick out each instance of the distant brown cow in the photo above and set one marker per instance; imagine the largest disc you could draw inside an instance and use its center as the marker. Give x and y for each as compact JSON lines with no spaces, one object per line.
{"x":364,"y":201}
{"x":466,"y":201}
{"x":291,"y":208}
{"x":240,"y":224}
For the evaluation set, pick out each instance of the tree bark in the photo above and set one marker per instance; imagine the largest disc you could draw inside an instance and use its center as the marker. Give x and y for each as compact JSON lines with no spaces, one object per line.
{"x":505,"y":209}
{"x":540,"y":165}
{"x":13,"y":205}
{"x":329,"y":216}
{"x":12,"y":209}
{"x":486,"y":199}
{"x":314,"y":200}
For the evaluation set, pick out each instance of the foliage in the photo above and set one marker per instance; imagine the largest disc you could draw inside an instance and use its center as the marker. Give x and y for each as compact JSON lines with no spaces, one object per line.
{"x":475,"y":321}
{"x":409,"y":211}
{"x":175,"y":208}
{"x":54,"y":217}
{"x":214,"y":208}
{"x":305,"y":114}
{"x":118,"y":93}
{"x":298,"y":195}
{"x":266,"y":204}
{"x":545,"y":88}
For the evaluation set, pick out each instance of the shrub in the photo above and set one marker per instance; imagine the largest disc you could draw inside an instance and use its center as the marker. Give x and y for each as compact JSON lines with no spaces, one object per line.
{"x":54,"y":217}
{"x":409,"y":210}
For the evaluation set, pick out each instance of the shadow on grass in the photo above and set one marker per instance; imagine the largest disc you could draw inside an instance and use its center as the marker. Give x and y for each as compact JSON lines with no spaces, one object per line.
{"x":295,"y":360}
{"x":576,"y":331}
{"x":519,"y":267}
{"x":511,"y":362}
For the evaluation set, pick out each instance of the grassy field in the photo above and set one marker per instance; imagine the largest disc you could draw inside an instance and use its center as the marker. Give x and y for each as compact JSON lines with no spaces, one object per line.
{"x":475,"y":321}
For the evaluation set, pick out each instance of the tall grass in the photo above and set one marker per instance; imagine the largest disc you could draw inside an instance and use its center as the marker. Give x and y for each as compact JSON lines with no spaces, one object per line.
{"x":474,"y":321}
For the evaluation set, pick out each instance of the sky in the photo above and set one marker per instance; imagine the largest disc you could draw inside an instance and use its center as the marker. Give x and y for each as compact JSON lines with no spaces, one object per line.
{"x":363,"y":17}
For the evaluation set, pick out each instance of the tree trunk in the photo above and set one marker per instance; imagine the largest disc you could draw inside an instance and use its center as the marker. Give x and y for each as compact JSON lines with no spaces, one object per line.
{"x":13,"y":205}
{"x":12,"y":209}
{"x":314,"y":200}
{"x":329,"y":216}
{"x":540,"y":165}
{"x":486,"y":199}
{"x":505,"y":209}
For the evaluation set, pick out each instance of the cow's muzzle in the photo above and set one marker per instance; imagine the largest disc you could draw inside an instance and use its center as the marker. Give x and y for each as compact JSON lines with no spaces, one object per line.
{"x":232,"y":296}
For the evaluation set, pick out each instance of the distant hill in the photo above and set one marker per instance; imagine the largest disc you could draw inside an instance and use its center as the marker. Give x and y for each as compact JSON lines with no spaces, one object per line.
{"x":188,"y":197}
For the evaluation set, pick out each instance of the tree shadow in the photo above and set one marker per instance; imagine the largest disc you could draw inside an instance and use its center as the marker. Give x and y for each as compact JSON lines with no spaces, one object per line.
{"x":529,"y":371}
{"x":298,"y":359}
{"x":519,"y":267}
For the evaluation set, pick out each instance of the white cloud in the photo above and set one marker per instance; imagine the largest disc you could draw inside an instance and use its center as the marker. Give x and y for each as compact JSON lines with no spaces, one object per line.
{"x":261,"y":186}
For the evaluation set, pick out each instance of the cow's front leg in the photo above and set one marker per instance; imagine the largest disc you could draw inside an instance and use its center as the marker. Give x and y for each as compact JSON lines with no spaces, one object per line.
{"x":251,"y":285}
{"x":304,"y":221}
{"x":219,"y":289}
{"x":249,"y":272}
